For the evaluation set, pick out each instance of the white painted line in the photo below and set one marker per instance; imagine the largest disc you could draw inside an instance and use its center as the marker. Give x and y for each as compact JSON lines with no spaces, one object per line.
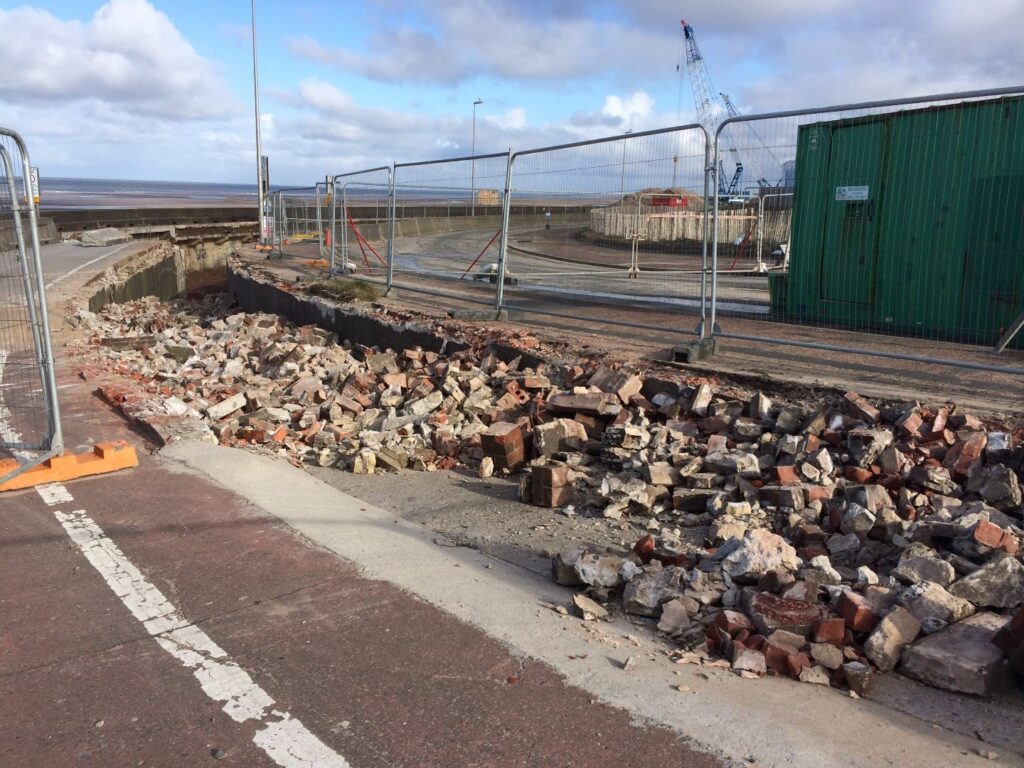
{"x":285,"y":740}
{"x":69,"y":273}
{"x":8,"y":434}
{"x":54,"y":494}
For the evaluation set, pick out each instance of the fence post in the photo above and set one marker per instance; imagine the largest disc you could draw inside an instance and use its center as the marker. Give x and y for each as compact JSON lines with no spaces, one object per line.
{"x":499,"y":294}
{"x":389,"y":282}
{"x":714,"y":238}
{"x":702,"y":323}
{"x":760,"y":229}
{"x":319,"y":217}
{"x":334,"y":220}
{"x":344,"y":229}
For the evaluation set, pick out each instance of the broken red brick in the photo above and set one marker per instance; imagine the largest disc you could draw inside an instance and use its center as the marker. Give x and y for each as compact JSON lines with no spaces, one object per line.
{"x":856,"y":612}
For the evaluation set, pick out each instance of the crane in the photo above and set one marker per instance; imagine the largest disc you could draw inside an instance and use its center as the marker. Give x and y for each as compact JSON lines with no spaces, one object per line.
{"x":709,"y":102}
{"x":731,"y":110}
{"x":700,"y":81}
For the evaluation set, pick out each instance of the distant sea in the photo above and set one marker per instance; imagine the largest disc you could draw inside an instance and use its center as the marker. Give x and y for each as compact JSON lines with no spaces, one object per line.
{"x":57,"y":193}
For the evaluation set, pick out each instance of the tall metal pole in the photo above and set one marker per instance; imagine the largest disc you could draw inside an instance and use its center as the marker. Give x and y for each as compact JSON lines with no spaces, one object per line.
{"x":472,"y":173}
{"x":259,"y":143}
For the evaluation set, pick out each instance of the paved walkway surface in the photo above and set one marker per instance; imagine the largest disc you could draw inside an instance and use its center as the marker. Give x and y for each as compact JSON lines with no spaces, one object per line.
{"x":373,"y":674}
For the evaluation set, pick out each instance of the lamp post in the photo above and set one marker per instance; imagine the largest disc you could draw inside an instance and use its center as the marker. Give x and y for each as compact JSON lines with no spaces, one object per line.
{"x":622,"y":178}
{"x":259,"y":147}
{"x":472,"y":173}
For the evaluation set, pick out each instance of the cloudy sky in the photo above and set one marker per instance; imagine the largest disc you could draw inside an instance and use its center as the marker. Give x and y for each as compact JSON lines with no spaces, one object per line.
{"x":154,"y":89}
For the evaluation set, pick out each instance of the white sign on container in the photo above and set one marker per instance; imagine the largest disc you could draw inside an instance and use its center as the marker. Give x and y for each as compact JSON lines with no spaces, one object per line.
{"x":848,"y":194}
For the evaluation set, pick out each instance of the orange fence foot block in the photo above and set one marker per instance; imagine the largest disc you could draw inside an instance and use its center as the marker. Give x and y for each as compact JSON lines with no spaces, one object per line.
{"x":105,"y":457}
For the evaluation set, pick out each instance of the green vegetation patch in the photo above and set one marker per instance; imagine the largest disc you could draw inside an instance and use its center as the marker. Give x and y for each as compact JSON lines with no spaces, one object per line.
{"x":340,"y":289}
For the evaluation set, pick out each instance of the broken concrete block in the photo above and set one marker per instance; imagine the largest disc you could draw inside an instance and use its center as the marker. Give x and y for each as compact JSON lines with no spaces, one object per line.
{"x":563,"y":567}
{"x":961,"y":657}
{"x":815,"y":675}
{"x":225,"y":407}
{"x":897,"y":630}
{"x":103,"y":237}
{"x":662,"y":474}
{"x":918,"y":568}
{"x":997,"y":485}
{"x":933,"y":606}
{"x":588,"y":609}
{"x":828,"y":655}
{"x":644,"y":593}
{"x":597,"y":570}
{"x":675,"y":617}
{"x":758,"y":552}
{"x":559,"y":436}
{"x":999,"y":584}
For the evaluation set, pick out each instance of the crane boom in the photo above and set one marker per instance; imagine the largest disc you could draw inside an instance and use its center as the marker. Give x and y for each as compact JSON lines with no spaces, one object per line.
{"x":700,"y":80}
{"x":730,"y":108}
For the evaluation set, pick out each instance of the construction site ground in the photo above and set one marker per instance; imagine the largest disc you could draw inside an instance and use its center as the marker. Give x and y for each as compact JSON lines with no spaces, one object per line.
{"x":591,"y":327}
{"x":401,"y":619}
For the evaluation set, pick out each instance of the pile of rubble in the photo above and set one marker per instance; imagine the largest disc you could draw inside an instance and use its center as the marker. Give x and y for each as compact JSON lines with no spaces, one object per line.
{"x":822,"y":542}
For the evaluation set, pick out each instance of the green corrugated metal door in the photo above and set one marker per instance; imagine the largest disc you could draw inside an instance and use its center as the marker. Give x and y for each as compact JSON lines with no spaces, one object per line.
{"x":994,"y":259}
{"x":993,"y":249}
{"x":849,"y":242}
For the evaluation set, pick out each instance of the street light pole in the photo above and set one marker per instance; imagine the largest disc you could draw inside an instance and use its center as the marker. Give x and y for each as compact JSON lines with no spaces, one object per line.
{"x":622,"y":178}
{"x":472,"y":177}
{"x":259,"y":145}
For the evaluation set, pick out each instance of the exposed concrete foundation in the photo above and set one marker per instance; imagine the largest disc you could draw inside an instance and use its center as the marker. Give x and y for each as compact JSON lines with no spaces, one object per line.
{"x":165,"y":271}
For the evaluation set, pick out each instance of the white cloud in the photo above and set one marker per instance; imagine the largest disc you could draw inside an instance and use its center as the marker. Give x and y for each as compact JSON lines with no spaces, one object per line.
{"x":627,"y":110}
{"x":513,"y":119}
{"x":128,"y":55}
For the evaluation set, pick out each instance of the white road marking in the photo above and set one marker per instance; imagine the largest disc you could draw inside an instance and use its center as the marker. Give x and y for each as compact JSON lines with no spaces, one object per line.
{"x":69,"y":273}
{"x":54,"y":494}
{"x":8,"y":434}
{"x":285,"y":740}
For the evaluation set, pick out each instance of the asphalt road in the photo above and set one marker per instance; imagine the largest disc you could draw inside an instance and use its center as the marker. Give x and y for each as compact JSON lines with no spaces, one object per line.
{"x":603,"y":276}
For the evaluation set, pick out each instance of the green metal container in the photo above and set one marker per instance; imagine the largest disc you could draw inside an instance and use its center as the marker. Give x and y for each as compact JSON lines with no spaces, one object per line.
{"x":911,"y":222}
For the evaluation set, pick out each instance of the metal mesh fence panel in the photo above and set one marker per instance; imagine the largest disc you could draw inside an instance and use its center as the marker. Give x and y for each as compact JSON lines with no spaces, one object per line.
{"x":29,"y":414}
{"x":360,"y":223}
{"x":447,"y":226}
{"x":298,"y":221}
{"x":622,"y":233}
{"x":888,"y":228}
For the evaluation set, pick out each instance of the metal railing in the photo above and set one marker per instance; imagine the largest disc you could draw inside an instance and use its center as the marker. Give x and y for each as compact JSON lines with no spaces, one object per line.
{"x":871,"y":227}
{"x":448,"y":218}
{"x":297,"y":219}
{"x":30,"y":427}
{"x":585,"y":267}
{"x":366,"y":190}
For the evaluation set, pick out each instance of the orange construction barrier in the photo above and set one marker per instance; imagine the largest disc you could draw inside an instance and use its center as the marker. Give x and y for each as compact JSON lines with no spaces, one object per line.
{"x":105,"y":457}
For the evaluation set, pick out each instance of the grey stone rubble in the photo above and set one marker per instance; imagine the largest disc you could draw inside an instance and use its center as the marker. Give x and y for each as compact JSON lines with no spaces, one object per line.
{"x":822,"y":541}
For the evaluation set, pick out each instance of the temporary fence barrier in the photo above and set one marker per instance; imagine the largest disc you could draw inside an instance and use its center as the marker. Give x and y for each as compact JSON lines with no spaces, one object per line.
{"x":298,"y":221}
{"x":904,"y":227}
{"x":862,"y":229}
{"x":30,"y":427}
{"x":361,"y":225}
{"x":623,"y":237}
{"x":448,"y":216}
